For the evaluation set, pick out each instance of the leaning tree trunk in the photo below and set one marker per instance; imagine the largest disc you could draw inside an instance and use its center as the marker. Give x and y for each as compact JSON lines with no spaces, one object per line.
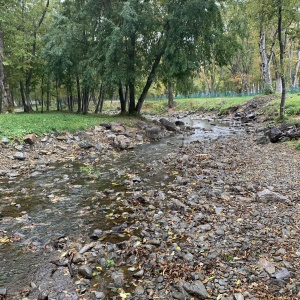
{"x":5,"y":99}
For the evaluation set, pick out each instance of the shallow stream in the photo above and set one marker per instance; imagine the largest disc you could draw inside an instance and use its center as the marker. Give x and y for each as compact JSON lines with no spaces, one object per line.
{"x":67,"y":200}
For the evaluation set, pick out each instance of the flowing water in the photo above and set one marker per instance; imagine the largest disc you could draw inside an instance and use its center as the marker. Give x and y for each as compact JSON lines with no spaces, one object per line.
{"x":67,"y":200}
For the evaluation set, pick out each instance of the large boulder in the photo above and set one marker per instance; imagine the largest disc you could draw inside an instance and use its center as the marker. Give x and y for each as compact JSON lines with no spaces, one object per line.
{"x":170,"y":126}
{"x":153,"y":133}
{"x":275,"y":134}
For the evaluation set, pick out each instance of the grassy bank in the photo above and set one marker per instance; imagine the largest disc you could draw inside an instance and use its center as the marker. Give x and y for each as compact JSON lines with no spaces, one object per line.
{"x":20,"y":124}
{"x":194,"y":104}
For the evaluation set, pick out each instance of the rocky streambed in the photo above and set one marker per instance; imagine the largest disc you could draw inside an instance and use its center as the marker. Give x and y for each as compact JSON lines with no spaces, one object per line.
{"x":215,"y":217}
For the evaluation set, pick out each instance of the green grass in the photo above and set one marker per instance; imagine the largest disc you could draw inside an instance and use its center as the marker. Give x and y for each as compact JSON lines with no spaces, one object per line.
{"x":194,"y":104}
{"x":19,"y":124}
{"x":292,"y":108}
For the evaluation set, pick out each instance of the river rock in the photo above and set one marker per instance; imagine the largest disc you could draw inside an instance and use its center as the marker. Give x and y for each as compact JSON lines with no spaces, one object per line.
{"x":19,"y":156}
{"x":121,"y":142}
{"x":3,"y":172}
{"x":85,"y":145}
{"x":97,"y":233}
{"x":153,"y":133}
{"x":3,"y":293}
{"x":195,"y":288}
{"x":274,"y":134}
{"x":78,"y":258}
{"x":85,"y":271}
{"x":262,"y":140}
{"x":238,"y":296}
{"x":179,"y":123}
{"x":138,"y":274}
{"x":170,"y":126}
{"x":282,"y":274}
{"x":266,"y":265}
{"x":99,"y":295}
{"x":5,"y":140}
{"x":30,"y":139}
{"x":269,"y":196}
{"x":118,"y":278}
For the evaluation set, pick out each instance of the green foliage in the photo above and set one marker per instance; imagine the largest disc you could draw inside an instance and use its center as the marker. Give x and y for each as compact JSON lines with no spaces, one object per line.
{"x":298,"y":146}
{"x":110,"y":263}
{"x":268,"y":91}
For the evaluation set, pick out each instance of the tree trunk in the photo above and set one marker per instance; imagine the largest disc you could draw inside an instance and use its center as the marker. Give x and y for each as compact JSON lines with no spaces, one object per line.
{"x":265,"y":62}
{"x":85,"y":100}
{"x":48,"y":94}
{"x":281,"y":61}
{"x":170,"y":95}
{"x":100,"y":100}
{"x":78,"y":94}
{"x":23,"y":97}
{"x":122,"y":98}
{"x":6,"y":102}
{"x":42,"y":93}
{"x":149,"y":82}
{"x":296,"y":79}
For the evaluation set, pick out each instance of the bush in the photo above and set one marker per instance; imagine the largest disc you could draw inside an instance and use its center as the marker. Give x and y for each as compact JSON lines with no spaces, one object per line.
{"x":298,"y":146}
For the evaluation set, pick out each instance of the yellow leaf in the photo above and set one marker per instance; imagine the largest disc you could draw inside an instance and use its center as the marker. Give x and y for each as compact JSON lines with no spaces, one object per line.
{"x":238,"y":282}
{"x":5,"y":239}
{"x":99,"y":268}
{"x":178,"y":248}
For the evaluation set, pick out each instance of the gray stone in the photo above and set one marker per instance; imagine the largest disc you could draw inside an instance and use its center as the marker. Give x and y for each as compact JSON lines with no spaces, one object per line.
{"x":97,"y":233}
{"x":19,"y":156}
{"x":85,"y":271}
{"x":266,"y":265}
{"x":99,"y":295}
{"x":170,"y":126}
{"x":121,"y":142}
{"x":140,"y":273}
{"x":3,"y":172}
{"x":282,"y":274}
{"x":262,"y":140}
{"x":196,"y":288}
{"x":274,"y":134}
{"x":78,"y":258}
{"x":238,"y":296}
{"x":267,"y":196}
{"x":3,"y":292}
{"x":118,"y":278}
{"x":188,"y":257}
{"x":5,"y":140}
{"x":85,"y":145}
{"x":139,"y":290}
{"x":153,"y":133}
